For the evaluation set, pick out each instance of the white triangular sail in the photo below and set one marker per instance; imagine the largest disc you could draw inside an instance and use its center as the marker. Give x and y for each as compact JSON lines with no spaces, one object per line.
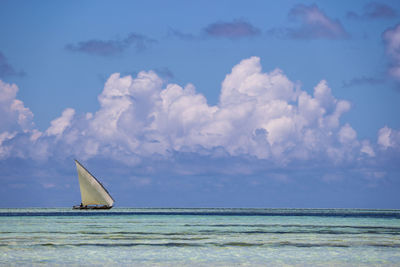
{"x":92,"y":191}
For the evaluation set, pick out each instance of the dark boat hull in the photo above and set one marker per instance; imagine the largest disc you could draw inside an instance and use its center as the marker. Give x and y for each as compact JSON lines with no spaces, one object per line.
{"x":91,"y":207}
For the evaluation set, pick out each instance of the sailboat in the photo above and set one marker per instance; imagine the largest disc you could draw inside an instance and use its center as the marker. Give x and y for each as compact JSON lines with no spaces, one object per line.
{"x":94,"y":195}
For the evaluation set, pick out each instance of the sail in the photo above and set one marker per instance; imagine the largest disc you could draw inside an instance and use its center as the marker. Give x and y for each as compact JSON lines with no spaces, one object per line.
{"x":92,"y":191}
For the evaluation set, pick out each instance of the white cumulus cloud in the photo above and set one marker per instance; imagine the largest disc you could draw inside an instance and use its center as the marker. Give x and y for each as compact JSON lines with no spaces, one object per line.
{"x":15,"y":118}
{"x":347,"y":134}
{"x":14,"y":115}
{"x":60,"y":124}
{"x":391,"y":38}
{"x":388,"y":138}
{"x":260,"y":114}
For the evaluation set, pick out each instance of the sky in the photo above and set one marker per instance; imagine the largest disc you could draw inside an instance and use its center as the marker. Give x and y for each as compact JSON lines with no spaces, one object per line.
{"x":285,"y":104}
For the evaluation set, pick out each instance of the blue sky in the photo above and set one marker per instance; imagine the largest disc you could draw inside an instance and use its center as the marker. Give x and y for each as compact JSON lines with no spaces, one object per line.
{"x":201,"y":103}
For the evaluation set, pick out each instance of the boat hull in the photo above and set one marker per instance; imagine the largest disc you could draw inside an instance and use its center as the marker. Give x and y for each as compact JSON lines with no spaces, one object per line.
{"x":91,"y":207}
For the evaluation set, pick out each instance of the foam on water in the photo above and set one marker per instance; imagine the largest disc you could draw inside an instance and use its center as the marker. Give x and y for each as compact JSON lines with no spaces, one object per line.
{"x":200,"y":237}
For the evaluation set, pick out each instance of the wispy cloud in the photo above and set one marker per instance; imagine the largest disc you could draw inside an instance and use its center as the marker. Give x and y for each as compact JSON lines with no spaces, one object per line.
{"x":374,"y":10}
{"x":111,"y":47}
{"x":235,"y":29}
{"x":181,"y":35}
{"x":363,"y":80}
{"x":165,"y":73}
{"x":6,"y":69}
{"x":313,"y":24}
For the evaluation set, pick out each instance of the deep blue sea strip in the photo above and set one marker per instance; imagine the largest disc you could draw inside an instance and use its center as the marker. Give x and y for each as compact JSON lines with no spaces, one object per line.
{"x":335,"y":213}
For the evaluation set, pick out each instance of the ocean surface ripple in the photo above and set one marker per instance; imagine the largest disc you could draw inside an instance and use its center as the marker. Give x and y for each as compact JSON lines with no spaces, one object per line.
{"x":200,"y":237}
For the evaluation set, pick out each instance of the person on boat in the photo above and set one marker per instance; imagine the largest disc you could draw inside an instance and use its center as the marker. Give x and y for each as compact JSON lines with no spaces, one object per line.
{"x":81,"y":206}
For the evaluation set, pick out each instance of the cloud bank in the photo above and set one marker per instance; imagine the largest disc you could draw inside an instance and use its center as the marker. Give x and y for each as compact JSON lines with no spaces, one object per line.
{"x":260,"y":115}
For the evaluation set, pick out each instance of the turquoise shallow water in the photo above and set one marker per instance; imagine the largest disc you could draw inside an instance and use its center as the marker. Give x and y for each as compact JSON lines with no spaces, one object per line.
{"x":200,"y":237}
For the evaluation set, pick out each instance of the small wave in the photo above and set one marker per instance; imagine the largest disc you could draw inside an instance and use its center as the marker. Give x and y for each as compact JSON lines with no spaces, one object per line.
{"x":120,"y":238}
{"x":226,"y":244}
{"x":295,"y":232}
{"x":310,"y":245}
{"x":391,"y":228}
{"x":385,"y":245}
{"x":240,"y":244}
{"x":170,"y":244}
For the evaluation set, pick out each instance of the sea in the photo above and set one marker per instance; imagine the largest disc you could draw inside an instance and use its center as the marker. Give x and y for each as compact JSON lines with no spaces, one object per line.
{"x":199,"y":237}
